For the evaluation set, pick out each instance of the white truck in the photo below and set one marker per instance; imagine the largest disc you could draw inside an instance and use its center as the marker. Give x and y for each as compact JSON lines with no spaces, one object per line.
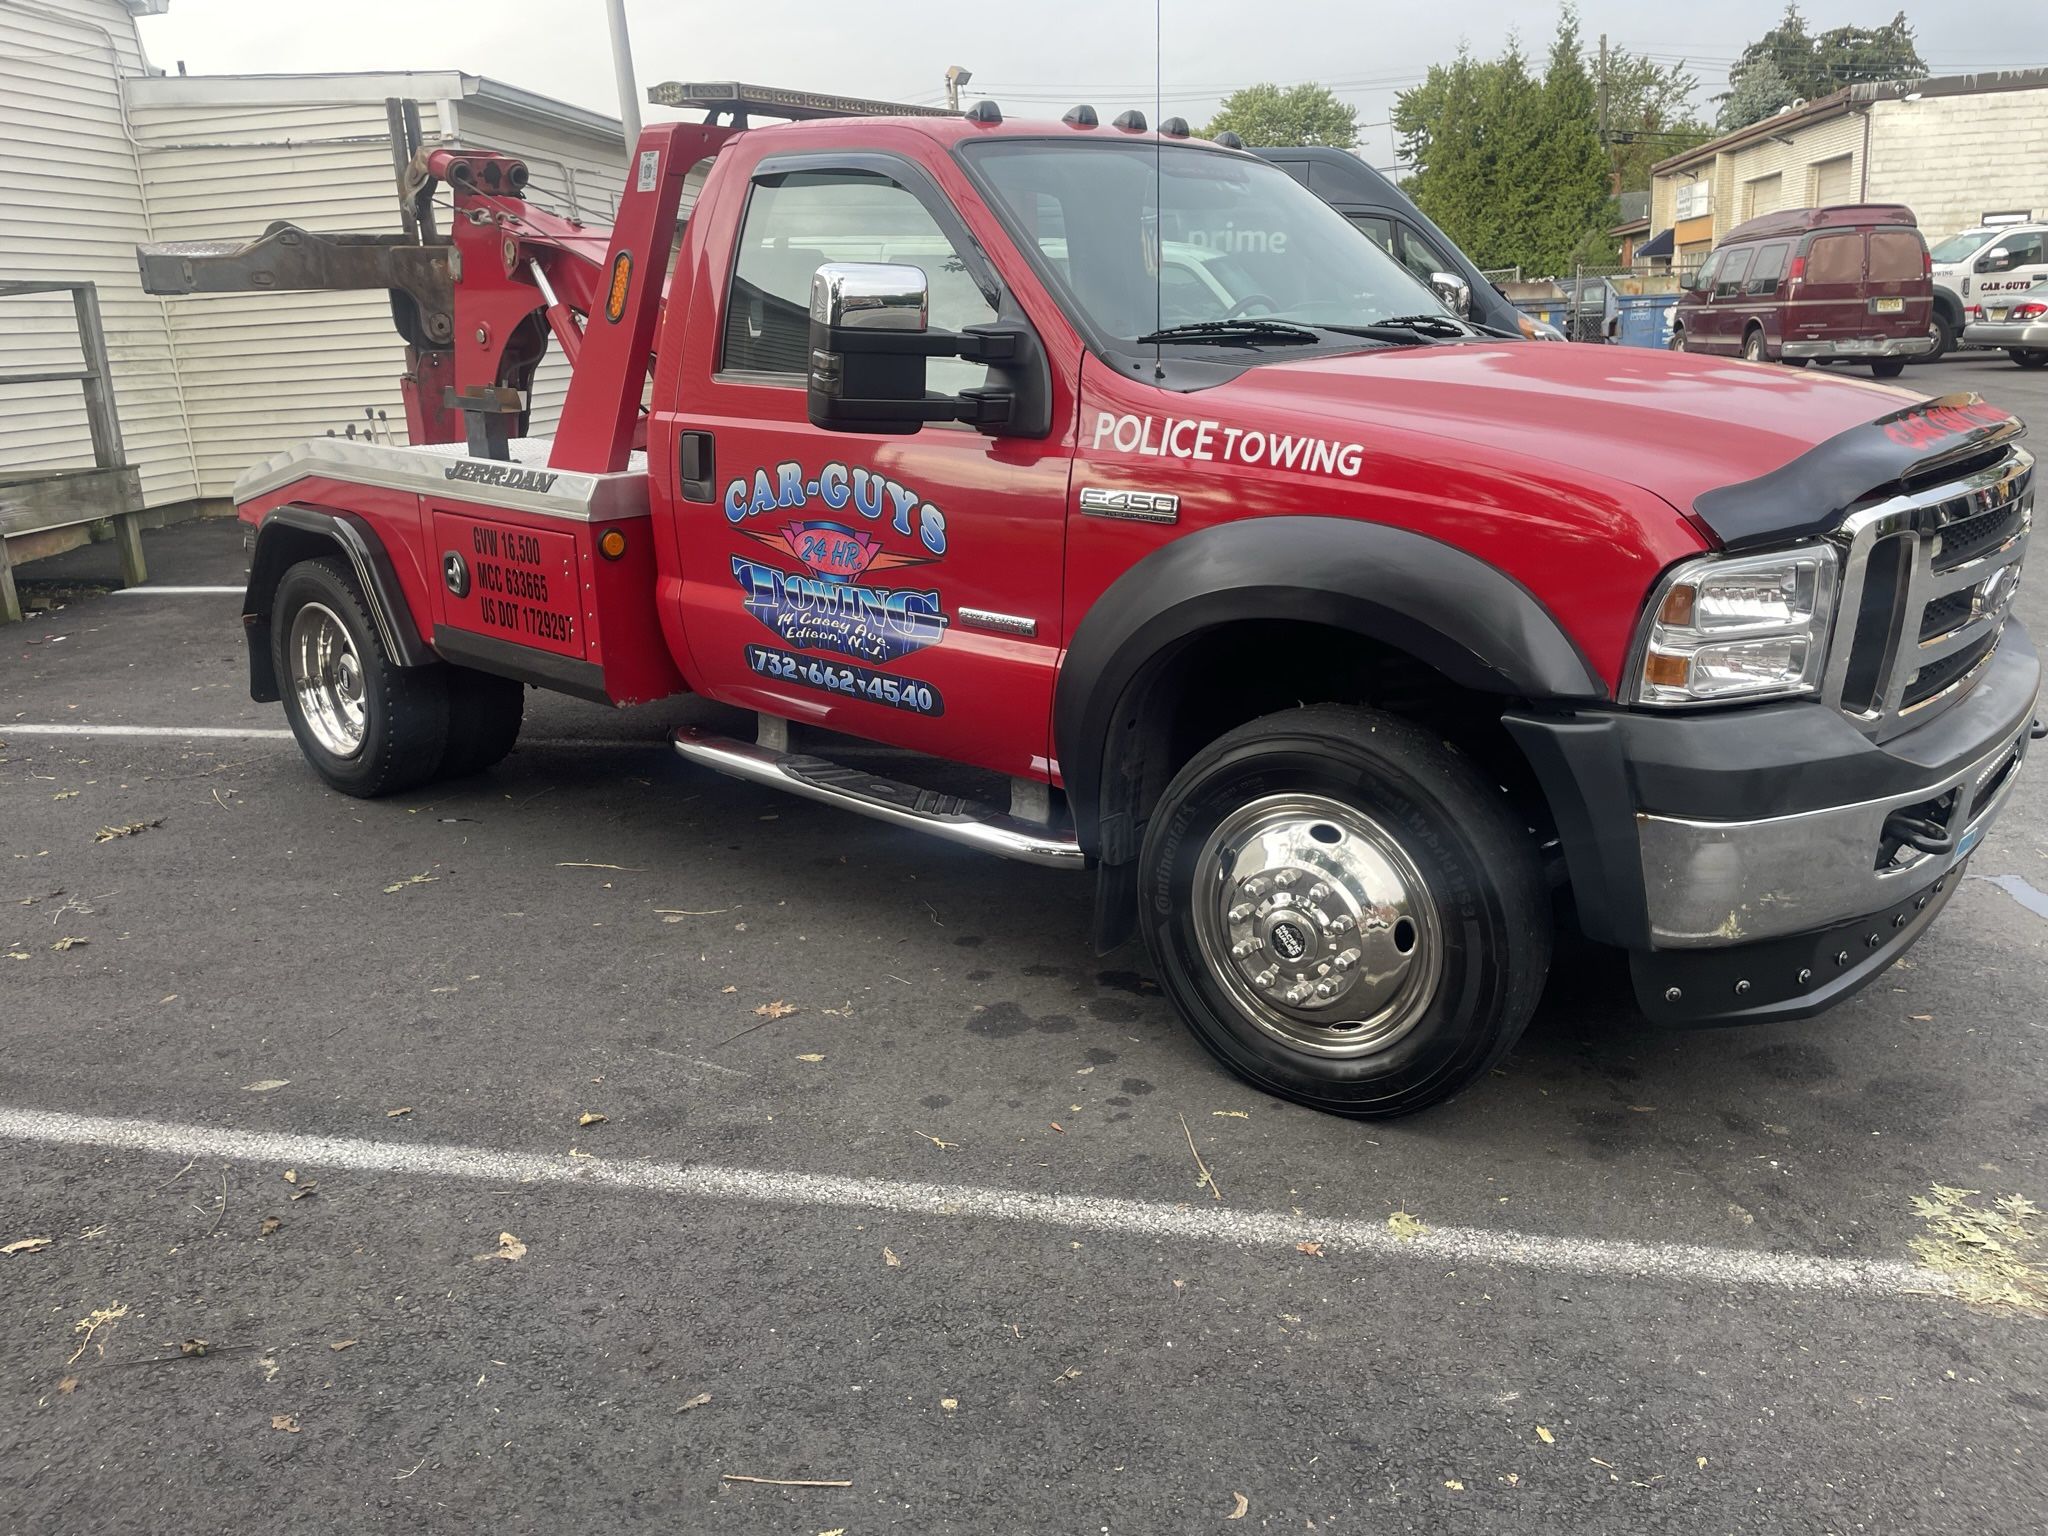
{"x":1974,"y":268}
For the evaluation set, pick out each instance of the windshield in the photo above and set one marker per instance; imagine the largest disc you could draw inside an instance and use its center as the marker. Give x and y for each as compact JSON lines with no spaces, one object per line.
{"x":1959,"y":247}
{"x":1242,"y":240}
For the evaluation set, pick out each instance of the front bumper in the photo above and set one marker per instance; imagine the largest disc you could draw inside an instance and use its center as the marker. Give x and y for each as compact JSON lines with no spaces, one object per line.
{"x":2006,"y":333}
{"x":1719,"y":848}
{"x":1861,"y":347}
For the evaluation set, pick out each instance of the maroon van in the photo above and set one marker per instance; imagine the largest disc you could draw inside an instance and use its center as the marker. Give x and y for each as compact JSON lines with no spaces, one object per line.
{"x":1852,"y":282}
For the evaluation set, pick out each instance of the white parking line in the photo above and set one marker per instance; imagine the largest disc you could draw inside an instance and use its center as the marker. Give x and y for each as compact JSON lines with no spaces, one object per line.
{"x":186,"y":732}
{"x":1437,"y":1247}
{"x":149,"y":591}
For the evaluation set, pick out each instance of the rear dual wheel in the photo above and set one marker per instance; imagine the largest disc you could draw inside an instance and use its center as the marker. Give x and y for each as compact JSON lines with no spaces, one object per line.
{"x":1344,"y":910}
{"x":367,"y":725}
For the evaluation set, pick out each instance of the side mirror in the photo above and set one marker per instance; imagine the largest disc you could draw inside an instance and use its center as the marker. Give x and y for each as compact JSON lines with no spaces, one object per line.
{"x":870,"y":339}
{"x":1995,"y":260}
{"x":1454,"y":291}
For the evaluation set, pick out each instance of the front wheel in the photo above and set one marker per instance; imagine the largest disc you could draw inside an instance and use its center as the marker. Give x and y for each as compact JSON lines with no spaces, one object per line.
{"x":1677,"y":341}
{"x":1344,"y":910}
{"x":367,"y":725}
{"x":1942,"y":331}
{"x":1753,"y":345}
{"x":1887,"y":367}
{"x":2027,"y":359}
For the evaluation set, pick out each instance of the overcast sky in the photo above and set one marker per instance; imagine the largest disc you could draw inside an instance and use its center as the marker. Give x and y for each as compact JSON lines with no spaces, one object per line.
{"x":1036,"y":57}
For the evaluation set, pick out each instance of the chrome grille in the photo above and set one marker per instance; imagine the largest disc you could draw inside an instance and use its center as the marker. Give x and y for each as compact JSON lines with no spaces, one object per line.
{"x":1928,"y":579}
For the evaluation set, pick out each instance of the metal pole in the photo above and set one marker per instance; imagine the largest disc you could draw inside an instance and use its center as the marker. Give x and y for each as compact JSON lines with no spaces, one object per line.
{"x":622,"y":63}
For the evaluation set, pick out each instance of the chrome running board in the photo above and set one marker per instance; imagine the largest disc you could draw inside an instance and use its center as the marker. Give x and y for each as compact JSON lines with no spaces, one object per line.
{"x":968,"y":822}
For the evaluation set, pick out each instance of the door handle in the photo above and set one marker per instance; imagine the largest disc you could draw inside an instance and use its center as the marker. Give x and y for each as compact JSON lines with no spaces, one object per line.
{"x":697,"y":466}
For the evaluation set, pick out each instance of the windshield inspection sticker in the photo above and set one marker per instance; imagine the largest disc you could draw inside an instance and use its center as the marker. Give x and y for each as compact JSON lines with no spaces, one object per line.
{"x":1180,"y":437}
{"x":830,"y":603}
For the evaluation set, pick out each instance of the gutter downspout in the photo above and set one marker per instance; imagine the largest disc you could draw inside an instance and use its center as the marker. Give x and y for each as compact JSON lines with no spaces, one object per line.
{"x":1863,"y":191}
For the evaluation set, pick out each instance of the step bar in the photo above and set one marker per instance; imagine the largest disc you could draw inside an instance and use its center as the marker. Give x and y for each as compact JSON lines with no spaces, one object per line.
{"x":967,"y":822}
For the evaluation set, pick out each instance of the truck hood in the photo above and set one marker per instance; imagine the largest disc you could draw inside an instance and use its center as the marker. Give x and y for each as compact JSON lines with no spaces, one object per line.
{"x":1676,"y":425}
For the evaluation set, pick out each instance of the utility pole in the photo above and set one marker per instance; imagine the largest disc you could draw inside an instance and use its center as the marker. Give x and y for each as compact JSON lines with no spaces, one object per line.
{"x":622,"y":64}
{"x":1603,"y":89}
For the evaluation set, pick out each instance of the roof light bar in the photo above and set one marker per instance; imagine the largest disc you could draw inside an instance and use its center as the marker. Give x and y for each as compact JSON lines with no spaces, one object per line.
{"x":774,"y":101}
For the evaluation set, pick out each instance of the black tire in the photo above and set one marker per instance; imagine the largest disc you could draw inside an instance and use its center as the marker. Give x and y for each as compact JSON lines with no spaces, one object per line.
{"x":1753,"y":345}
{"x":1677,"y":341}
{"x":1887,"y":367}
{"x":484,"y":715}
{"x":1943,"y":330}
{"x":1795,"y":362}
{"x":1483,"y":907}
{"x":404,"y":709}
{"x":2027,"y":359}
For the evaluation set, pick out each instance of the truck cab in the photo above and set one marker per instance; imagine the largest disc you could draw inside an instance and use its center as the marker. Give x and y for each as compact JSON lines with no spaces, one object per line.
{"x":1980,"y":270}
{"x":1347,"y":649}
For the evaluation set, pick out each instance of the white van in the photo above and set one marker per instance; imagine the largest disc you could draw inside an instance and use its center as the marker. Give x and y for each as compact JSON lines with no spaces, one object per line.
{"x":1972,"y":270}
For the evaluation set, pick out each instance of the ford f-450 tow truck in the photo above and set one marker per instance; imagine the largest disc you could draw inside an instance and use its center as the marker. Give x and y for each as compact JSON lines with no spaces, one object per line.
{"x":1347,"y":646}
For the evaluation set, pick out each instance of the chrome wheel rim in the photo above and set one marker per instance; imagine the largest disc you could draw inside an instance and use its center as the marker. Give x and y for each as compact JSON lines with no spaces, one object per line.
{"x":1318,"y":924}
{"x":327,"y":679}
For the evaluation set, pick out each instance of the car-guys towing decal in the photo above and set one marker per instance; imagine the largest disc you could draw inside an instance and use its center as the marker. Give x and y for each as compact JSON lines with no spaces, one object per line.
{"x":829,"y":605}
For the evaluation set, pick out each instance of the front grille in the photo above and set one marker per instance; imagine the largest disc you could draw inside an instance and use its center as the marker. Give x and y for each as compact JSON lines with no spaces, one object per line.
{"x":1929,"y":575}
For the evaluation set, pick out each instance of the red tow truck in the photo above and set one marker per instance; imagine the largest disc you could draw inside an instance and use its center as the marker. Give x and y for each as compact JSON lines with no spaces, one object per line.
{"x":1349,"y":647}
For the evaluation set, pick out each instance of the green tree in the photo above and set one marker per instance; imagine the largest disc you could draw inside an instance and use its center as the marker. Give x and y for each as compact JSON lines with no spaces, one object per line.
{"x":1650,"y":115}
{"x":1509,"y":164}
{"x":1815,"y":64}
{"x":1292,"y":115}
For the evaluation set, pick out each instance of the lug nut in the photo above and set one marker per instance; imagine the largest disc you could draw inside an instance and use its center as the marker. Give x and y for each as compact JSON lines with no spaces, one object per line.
{"x":1267,"y":977}
{"x":1240,"y":912}
{"x":1345,"y":961}
{"x":1254,"y":885}
{"x":1318,"y":891}
{"x":1741,"y":987}
{"x":1286,"y":877}
{"x":1245,"y":947}
{"x":1342,"y":925}
{"x":1672,"y":994}
{"x":1324,"y":989}
{"x":1805,"y":976}
{"x":1299,"y":992}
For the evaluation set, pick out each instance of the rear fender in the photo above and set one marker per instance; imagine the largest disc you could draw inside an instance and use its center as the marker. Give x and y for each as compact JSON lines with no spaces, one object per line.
{"x":290,"y":534}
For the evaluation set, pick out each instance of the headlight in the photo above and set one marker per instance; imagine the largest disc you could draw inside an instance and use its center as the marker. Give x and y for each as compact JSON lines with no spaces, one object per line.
{"x":1751,"y":627}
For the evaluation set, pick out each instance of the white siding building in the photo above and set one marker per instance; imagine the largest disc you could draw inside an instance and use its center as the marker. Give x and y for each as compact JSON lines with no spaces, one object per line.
{"x":109,"y":155}
{"x":1952,"y":149}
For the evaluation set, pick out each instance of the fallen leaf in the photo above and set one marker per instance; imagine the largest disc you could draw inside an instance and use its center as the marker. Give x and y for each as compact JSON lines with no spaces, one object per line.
{"x":889,"y":1258}
{"x":126,"y":829}
{"x":68,"y":1385}
{"x":1454,"y":1485}
{"x":267,"y":1085}
{"x":340,"y":1344}
{"x":70,"y":943}
{"x":1057,"y":1126}
{"x":810,"y":1056}
{"x":949,"y":1403}
{"x":591,"y":1119}
{"x":1231,"y":1114}
{"x":776,"y":1010}
{"x":17,"y":954}
{"x":696,"y":1402}
{"x":837,"y":1530}
{"x":509,"y":1248}
{"x":393,"y":1114}
{"x":1700,"y":1462}
{"x":288,"y":1422}
{"x":1545,"y":1435}
{"x":67,"y":794}
{"x":291,"y":1175}
{"x":399,"y":885}
{"x":728,"y":989}
{"x":1922,"y":1018}
{"x":197,"y":1348}
{"x":1405,"y":1227}
{"x":1512,"y":1479}
{"x":270,"y":1225}
{"x":1642,"y":1109}
{"x":27,"y":1245}
{"x":1599,"y":1463}
{"x":1313,"y":1250}
{"x":306,"y":1191}
{"x":1242,"y":1507}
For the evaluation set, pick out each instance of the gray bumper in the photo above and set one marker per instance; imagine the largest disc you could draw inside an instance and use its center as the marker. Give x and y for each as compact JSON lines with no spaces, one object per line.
{"x":2006,"y":333}
{"x":1733,"y":882}
{"x":1861,"y":347}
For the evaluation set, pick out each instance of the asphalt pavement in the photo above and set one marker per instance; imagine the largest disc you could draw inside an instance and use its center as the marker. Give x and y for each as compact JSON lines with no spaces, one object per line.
{"x":601,"y":1145}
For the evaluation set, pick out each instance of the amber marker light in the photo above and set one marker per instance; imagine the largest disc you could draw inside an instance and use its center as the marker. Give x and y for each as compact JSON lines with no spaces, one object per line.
{"x":612,"y":545}
{"x":622,"y":279}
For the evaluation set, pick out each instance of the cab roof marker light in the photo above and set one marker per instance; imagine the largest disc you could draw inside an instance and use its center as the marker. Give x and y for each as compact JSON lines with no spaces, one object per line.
{"x":1229,"y":140}
{"x":1175,"y":128}
{"x":1129,"y":122}
{"x":1082,"y":116}
{"x":986,"y":113}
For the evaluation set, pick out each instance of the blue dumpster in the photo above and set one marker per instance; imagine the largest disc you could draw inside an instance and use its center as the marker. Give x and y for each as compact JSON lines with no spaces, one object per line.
{"x":1646,"y":319}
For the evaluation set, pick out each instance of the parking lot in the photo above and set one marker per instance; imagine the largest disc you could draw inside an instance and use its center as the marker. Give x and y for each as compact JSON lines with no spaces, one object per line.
{"x":598,"y":1144}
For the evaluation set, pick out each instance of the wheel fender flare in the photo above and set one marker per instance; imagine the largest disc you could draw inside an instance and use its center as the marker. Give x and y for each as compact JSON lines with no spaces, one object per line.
{"x":295,"y":532}
{"x":1439,"y":604}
